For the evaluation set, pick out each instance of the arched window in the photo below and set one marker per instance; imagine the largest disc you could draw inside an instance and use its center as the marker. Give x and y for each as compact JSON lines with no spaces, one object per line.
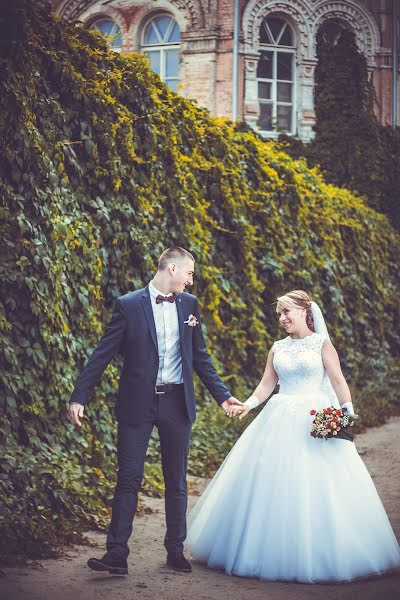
{"x":111,"y":30}
{"x":330,"y":32}
{"x":275,"y":76}
{"x":161,"y":39}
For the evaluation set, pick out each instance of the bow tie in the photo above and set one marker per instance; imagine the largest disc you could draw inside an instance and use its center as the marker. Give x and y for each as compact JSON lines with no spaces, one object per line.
{"x":165,"y":298}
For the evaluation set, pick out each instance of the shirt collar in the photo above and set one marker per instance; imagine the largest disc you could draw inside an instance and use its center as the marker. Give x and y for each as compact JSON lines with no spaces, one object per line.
{"x":155,"y":292}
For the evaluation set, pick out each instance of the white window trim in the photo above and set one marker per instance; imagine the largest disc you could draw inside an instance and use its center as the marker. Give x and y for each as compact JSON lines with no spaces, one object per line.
{"x":274,"y":133}
{"x":163,"y":51}
{"x":162,"y":48}
{"x":99,"y":19}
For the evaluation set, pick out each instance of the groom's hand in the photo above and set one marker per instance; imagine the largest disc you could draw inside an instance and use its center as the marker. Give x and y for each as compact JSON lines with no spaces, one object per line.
{"x":75,"y":413}
{"x":228,"y":404}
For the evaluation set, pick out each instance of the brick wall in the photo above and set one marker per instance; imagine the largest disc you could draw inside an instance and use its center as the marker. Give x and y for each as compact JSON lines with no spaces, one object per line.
{"x":206,"y":49}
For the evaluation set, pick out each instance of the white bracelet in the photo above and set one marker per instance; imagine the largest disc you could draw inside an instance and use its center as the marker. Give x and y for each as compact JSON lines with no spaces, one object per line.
{"x":252,"y":402}
{"x":349,"y":406}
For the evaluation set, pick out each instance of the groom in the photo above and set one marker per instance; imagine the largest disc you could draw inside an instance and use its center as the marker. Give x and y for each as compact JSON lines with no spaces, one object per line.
{"x":158,"y":331}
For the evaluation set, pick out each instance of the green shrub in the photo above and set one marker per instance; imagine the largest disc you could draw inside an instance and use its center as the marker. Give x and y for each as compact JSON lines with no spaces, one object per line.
{"x":350,"y":147}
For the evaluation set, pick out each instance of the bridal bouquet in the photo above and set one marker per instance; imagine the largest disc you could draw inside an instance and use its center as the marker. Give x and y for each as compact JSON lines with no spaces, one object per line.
{"x":332,"y":422}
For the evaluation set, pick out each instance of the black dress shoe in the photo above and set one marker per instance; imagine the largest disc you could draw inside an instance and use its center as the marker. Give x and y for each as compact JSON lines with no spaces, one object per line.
{"x":178,"y":562}
{"x":116,"y":565}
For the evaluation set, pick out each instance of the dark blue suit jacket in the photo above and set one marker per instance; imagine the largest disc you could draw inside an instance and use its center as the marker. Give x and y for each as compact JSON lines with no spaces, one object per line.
{"x":132,"y":331}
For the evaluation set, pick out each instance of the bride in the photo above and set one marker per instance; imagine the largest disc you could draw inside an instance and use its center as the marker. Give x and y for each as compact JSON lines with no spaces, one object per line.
{"x":285,"y":505}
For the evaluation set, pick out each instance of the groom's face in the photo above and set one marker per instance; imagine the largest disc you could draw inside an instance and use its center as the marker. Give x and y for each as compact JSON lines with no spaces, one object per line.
{"x":181,"y":275}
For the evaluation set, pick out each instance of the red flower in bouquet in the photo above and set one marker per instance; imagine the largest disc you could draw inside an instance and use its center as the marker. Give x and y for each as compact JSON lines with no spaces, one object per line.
{"x":330,"y":422}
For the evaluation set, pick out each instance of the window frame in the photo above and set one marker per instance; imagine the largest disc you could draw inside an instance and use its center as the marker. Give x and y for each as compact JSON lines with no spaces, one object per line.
{"x":101,"y":18}
{"x":274,"y":81}
{"x":162,"y":48}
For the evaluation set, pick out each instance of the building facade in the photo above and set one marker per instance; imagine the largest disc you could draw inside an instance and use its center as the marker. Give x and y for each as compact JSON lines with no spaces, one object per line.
{"x":269,"y":72}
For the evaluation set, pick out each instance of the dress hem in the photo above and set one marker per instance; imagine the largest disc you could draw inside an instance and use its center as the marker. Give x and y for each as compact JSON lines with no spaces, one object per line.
{"x":369,"y":577}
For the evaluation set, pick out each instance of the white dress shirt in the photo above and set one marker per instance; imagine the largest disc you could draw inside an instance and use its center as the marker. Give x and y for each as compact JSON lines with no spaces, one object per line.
{"x":168,"y":341}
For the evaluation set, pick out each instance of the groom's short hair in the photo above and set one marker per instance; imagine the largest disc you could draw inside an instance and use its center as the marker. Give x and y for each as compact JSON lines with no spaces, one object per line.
{"x":173,"y":254}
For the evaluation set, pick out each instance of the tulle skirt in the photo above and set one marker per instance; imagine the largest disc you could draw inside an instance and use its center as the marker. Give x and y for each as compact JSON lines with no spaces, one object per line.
{"x":286,"y":506}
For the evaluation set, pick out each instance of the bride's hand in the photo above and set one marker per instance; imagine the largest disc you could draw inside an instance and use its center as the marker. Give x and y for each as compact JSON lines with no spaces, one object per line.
{"x":241,"y":410}
{"x":233,"y":409}
{"x":245,"y":411}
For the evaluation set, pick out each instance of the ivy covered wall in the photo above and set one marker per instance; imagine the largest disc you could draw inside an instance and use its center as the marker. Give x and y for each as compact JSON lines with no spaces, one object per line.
{"x":350,"y":146}
{"x":101,"y":168}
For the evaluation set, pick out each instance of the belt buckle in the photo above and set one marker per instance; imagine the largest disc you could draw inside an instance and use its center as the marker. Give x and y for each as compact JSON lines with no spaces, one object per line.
{"x":157,"y":392}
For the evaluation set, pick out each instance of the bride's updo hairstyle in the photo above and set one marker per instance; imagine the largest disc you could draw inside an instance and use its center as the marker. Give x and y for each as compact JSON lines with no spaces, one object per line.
{"x":297,"y":299}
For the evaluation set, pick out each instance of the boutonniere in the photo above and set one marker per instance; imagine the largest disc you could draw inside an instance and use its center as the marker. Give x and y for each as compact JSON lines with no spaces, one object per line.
{"x":191,"y":321}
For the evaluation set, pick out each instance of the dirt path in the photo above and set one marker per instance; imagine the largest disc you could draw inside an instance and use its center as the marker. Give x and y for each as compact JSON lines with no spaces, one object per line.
{"x":149,"y":579}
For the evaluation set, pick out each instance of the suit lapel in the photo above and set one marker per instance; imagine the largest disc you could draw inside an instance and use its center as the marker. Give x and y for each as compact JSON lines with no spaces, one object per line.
{"x":148,"y":311}
{"x":181,"y":318}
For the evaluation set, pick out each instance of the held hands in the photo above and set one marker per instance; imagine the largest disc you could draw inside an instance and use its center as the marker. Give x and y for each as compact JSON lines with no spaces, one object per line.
{"x":75,"y":413}
{"x":233,"y":407}
{"x":242,"y":411}
{"x":229,"y":404}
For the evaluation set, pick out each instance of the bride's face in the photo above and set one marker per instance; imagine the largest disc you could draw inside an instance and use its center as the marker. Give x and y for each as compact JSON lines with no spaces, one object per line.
{"x":291,"y":319}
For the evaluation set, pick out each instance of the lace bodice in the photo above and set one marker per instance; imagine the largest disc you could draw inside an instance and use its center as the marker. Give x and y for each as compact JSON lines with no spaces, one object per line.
{"x":299,"y":365}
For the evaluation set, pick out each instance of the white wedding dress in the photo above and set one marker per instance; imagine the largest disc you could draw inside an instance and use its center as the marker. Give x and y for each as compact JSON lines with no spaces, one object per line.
{"x":287,"y":506}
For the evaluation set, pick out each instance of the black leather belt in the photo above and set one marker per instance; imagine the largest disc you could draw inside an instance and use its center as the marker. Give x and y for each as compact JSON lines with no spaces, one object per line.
{"x":163,"y":388}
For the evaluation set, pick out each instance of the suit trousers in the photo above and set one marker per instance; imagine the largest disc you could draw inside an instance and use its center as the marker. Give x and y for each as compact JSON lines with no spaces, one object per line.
{"x":169,"y":415}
